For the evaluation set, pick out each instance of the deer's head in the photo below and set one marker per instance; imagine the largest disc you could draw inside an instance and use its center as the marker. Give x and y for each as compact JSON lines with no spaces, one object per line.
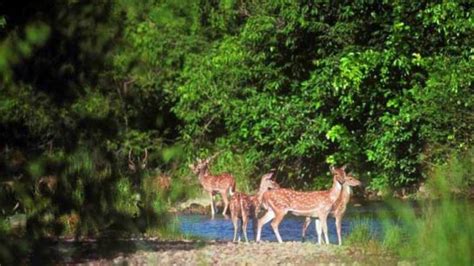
{"x":267,"y":183}
{"x":350,"y":180}
{"x":342,"y":177}
{"x":339,"y":174}
{"x":201,"y":166}
{"x":137,"y":163}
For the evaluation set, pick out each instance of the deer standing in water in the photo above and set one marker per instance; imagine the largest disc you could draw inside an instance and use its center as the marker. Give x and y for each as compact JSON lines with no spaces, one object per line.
{"x":279,"y":202}
{"x":338,"y":209}
{"x":245,"y":206}
{"x":223,"y":183}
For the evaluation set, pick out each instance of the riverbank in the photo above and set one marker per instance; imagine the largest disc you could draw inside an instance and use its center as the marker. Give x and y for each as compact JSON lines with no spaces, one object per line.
{"x":229,"y":253}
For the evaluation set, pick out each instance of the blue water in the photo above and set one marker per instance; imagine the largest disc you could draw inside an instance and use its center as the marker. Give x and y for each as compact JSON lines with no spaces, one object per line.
{"x":290,"y":228}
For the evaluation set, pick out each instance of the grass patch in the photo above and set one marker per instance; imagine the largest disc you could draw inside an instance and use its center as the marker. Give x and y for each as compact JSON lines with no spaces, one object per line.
{"x":362,"y":232}
{"x":439,"y":230}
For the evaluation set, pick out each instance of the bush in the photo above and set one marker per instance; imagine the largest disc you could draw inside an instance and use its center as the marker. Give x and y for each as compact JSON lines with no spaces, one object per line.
{"x":362,"y":233}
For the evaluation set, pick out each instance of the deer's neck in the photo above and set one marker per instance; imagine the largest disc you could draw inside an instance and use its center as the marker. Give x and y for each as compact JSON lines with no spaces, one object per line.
{"x":346,"y":191}
{"x":345,"y":195}
{"x":335,"y":190}
{"x":342,"y":201}
{"x":260,"y":195}
{"x":203,"y":173}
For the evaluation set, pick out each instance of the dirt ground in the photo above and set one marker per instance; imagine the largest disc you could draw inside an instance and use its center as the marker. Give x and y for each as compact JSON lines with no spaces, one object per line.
{"x":265,"y":253}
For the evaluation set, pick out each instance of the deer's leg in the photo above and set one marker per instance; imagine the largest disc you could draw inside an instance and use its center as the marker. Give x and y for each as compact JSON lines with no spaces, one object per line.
{"x":324,"y":225}
{"x":306,"y":223}
{"x":262,"y":221}
{"x":338,"y":229}
{"x":212,"y":205}
{"x":319,"y":230}
{"x":226,"y":201}
{"x":276,"y":222}
{"x":235,"y":222}
{"x":254,"y":226}
{"x":245,"y":220}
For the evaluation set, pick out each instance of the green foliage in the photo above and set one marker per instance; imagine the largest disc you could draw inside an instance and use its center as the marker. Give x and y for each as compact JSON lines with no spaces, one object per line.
{"x":443,"y":224}
{"x":393,"y":237}
{"x":453,"y":176}
{"x":69,"y":115}
{"x":385,"y":87}
{"x":16,"y":47}
{"x":127,"y":198}
{"x":313,"y":84}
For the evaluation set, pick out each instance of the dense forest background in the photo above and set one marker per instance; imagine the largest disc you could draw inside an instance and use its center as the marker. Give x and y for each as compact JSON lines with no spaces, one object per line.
{"x":384,"y":86}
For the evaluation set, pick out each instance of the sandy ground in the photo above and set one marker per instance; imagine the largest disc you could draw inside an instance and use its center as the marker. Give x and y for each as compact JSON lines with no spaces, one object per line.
{"x":265,"y":253}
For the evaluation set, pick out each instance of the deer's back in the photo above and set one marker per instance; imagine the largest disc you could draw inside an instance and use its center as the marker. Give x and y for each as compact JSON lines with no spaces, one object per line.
{"x":217,"y":182}
{"x":298,"y":202}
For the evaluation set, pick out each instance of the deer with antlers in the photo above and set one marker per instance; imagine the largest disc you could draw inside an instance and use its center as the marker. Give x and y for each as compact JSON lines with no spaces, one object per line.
{"x":136,"y":166}
{"x":223,"y":183}
{"x":279,"y":202}
{"x":338,"y":209}
{"x":245,"y":206}
{"x":132,"y":165}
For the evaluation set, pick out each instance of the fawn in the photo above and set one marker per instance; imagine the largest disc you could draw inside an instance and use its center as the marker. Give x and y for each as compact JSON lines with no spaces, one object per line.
{"x":279,"y":202}
{"x":244,"y":206}
{"x":223,"y":183}
{"x":338,"y":209}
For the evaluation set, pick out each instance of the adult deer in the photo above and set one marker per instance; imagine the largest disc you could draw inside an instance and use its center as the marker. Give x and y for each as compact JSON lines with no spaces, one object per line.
{"x":279,"y":202}
{"x":137,"y":166}
{"x":245,"y":206}
{"x":223,"y":183}
{"x":132,"y":165}
{"x":338,"y":209}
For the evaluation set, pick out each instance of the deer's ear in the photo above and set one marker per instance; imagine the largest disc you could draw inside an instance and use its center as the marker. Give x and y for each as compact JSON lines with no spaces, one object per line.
{"x":344,"y":167}
{"x":338,"y":178}
{"x":332,"y":169}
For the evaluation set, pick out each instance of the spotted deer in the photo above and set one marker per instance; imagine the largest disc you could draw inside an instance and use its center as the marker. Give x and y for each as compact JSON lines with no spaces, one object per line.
{"x":223,"y":183}
{"x":245,"y":206}
{"x":279,"y":202}
{"x":338,"y":209}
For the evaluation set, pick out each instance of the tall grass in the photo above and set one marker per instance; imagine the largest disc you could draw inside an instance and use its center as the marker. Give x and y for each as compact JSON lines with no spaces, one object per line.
{"x":441,"y":230}
{"x":362,"y":232}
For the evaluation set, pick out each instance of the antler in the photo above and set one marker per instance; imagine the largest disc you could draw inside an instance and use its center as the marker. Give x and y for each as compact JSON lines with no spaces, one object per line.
{"x":144,"y":160}
{"x":131,"y":164}
{"x":208,"y":160}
